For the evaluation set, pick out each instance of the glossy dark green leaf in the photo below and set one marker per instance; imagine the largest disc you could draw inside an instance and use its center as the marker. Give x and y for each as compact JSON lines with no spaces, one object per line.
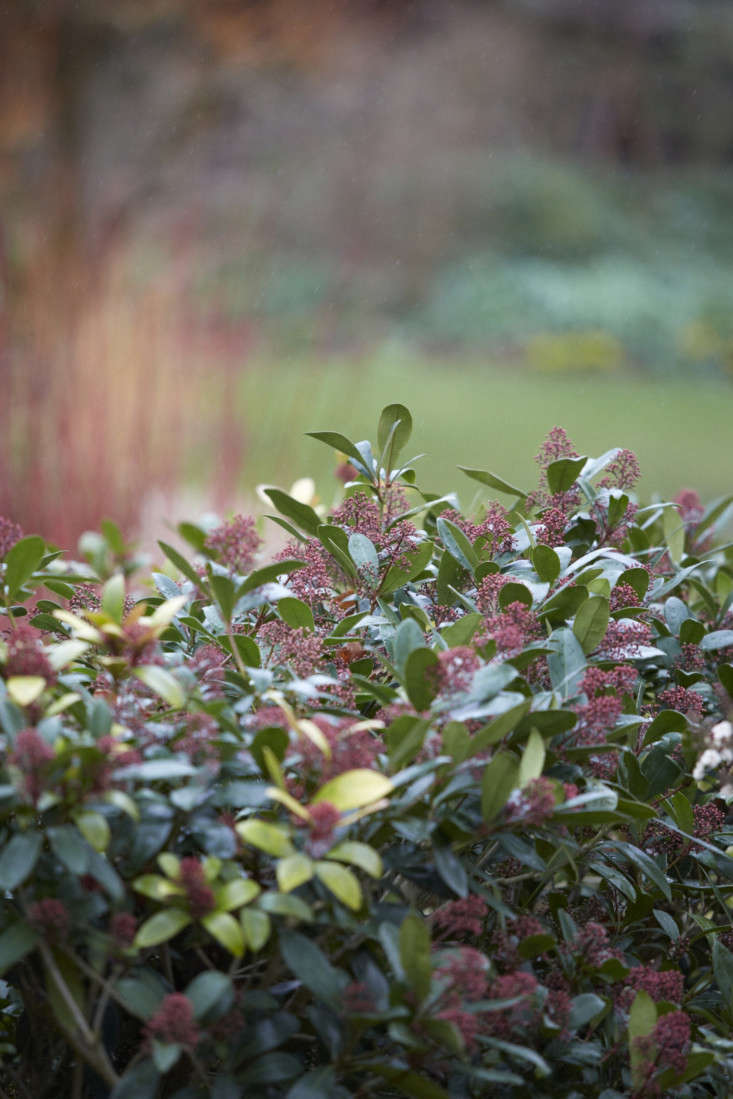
{"x":421,"y":682}
{"x":415,"y":955}
{"x":393,"y":433}
{"x":181,"y":563}
{"x":591,"y":622}
{"x":21,"y":561}
{"x":563,"y":473}
{"x":267,"y":574}
{"x":296,"y":613}
{"x":546,"y":563}
{"x":457,"y":544}
{"x":500,"y":777}
{"x":15,"y":942}
{"x":491,"y":479}
{"x":18,"y":858}
{"x":311,"y":966}
{"x":343,"y":445}
{"x":301,"y":514}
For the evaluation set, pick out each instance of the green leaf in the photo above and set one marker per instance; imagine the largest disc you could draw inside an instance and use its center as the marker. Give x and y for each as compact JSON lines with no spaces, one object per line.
{"x":514,"y":593}
{"x":15,"y":942}
{"x":341,"y":882}
{"x":397,"y":576}
{"x":18,"y":858}
{"x":94,"y":828}
{"x":223,"y":591}
{"x":161,"y":927}
{"x":267,"y":837}
{"x":364,"y":555}
{"x":591,"y":622}
{"x":226,"y":930}
{"x":647,"y":865}
{"x":293,"y":871}
{"x":449,"y":574}
{"x":457,"y":544}
{"x":566,"y":663}
{"x":723,"y":970}
{"x":353,"y":789}
{"x":113,"y":597}
{"x":272,"y":1068}
{"x":267,"y":574}
{"x":408,"y":636}
{"x":21,"y":561}
{"x":642,"y":1020}
{"x":421,"y":683}
{"x":500,"y":727}
{"x":181,"y":563}
{"x":163,"y":682}
{"x":563,"y":473}
{"x":491,"y":479}
{"x":415,"y":1084}
{"x":343,"y":446}
{"x":404,"y":739}
{"x":533,"y":759}
{"x":718,"y":639}
{"x":668,"y":924}
{"x":165,"y":1054}
{"x":285,"y":904}
{"x":301,"y":514}
{"x":546,"y":563}
{"x":415,"y":955}
{"x":674,"y":534}
{"x":311,"y":966}
{"x":395,"y":426}
{"x":256,"y":927}
{"x":451,"y":870}
{"x":583,"y":1008}
{"x":358,"y":854}
{"x":500,"y":777}
{"x":296,"y":613}
{"x":139,"y":1082}
{"x":461,"y":632}
{"x":236,"y":892}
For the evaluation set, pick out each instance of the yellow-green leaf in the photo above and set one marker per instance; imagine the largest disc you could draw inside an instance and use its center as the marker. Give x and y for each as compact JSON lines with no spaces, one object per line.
{"x":268,"y":837}
{"x":163,"y":683}
{"x":533,"y":758}
{"x":123,"y":802}
{"x":65,"y":652}
{"x":94,"y":829}
{"x":288,"y":801}
{"x":25,"y":689}
{"x":161,"y":927}
{"x":352,"y":789}
{"x":292,"y":871}
{"x":169,"y":864}
{"x":358,"y":854}
{"x":156,"y":887}
{"x":225,"y":929}
{"x":341,"y":882}
{"x":235,"y":893}
{"x":256,"y":926}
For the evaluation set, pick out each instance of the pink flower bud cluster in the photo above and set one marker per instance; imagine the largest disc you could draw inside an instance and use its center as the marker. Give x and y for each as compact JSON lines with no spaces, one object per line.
{"x":682,"y":699}
{"x":235,"y":543}
{"x":460,"y":918}
{"x":25,"y":655}
{"x":199,"y":894}
{"x":174,"y":1022}
{"x":533,"y":804}
{"x":299,"y":649}
{"x":50,"y":917}
{"x":10,"y":533}
{"x":32,"y":756}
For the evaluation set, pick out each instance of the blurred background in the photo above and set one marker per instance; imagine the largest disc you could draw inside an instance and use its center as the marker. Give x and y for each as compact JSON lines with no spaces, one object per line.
{"x":227,"y":222}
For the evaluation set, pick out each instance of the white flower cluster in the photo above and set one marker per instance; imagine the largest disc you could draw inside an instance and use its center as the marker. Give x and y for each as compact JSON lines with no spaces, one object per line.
{"x":718,"y":752}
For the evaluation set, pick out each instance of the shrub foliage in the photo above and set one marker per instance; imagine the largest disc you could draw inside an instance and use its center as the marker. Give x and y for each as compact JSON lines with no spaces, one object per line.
{"x":432,"y":804}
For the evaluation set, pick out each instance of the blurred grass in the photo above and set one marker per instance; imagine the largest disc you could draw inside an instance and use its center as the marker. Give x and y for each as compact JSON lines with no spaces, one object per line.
{"x":487,"y":415}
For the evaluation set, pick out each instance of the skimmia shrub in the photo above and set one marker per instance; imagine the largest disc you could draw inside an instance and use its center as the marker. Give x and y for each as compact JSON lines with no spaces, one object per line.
{"x":433,"y":804}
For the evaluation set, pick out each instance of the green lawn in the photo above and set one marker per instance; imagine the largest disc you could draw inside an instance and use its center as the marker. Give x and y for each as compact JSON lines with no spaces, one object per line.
{"x":486,"y":416}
